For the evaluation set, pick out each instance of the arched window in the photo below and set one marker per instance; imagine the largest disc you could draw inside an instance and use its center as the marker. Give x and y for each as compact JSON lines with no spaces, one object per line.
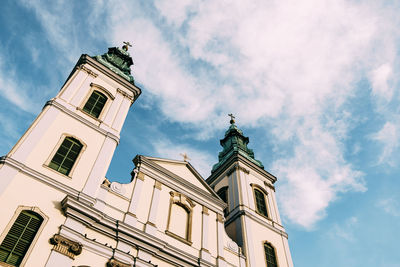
{"x":20,"y":236}
{"x":66,"y":155}
{"x":223,"y":194}
{"x":180,"y":218}
{"x":270,"y":255}
{"x":95,"y":104}
{"x":261,"y":205}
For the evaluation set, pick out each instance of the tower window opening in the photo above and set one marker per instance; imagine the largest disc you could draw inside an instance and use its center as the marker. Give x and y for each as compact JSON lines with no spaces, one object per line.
{"x":66,"y":155}
{"x":19,"y":238}
{"x":261,"y":205}
{"x":270,"y":255}
{"x":95,"y":104}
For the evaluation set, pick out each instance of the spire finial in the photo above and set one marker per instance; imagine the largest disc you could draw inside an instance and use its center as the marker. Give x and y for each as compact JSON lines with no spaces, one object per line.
{"x":232,"y":121}
{"x":126,"y":45}
{"x":185,"y":157}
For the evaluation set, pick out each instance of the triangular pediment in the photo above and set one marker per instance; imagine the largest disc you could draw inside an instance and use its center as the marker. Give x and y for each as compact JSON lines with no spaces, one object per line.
{"x":183,"y":170}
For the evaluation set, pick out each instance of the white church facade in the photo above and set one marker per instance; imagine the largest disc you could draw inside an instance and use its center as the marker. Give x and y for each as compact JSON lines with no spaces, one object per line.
{"x":59,"y":209}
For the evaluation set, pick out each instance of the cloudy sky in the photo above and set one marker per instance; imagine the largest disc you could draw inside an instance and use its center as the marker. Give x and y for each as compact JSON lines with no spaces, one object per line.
{"x":313,"y":83}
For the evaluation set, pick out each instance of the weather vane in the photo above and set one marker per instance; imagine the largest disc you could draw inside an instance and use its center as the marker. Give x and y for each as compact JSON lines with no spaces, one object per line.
{"x":232,"y":121}
{"x":126,"y":45}
{"x":185,"y":157}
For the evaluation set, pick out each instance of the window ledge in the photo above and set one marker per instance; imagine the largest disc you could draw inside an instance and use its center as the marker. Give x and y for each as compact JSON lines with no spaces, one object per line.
{"x":55,"y":171}
{"x":187,"y":242}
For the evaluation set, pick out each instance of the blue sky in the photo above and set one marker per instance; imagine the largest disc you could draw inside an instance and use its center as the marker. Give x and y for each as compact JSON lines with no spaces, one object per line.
{"x":313,"y":83}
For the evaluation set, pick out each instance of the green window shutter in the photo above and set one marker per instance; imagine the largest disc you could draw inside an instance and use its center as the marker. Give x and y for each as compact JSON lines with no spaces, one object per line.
{"x":66,"y":155}
{"x":19,"y":238}
{"x":260,"y":202}
{"x":270,"y":255}
{"x":95,"y":104}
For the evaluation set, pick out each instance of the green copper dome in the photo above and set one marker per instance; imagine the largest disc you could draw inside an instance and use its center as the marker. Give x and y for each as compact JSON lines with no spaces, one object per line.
{"x":235,"y":142}
{"x":118,"y":60}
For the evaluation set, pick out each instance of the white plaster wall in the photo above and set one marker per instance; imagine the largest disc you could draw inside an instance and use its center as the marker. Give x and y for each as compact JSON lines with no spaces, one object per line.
{"x":48,"y":142}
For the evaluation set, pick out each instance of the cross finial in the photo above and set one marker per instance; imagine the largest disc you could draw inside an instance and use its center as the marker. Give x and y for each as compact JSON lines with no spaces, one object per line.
{"x":185,"y":157}
{"x":232,"y":121}
{"x":126,"y":45}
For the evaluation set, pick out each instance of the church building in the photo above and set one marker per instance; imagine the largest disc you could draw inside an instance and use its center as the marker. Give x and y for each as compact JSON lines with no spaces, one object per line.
{"x":59,"y":209}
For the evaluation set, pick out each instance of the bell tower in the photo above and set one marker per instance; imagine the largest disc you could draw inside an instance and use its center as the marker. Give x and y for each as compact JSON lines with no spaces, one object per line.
{"x":251,"y":217}
{"x":73,"y":139}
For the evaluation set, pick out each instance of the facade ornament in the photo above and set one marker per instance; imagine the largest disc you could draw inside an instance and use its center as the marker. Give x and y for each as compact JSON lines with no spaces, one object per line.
{"x":88,"y":71}
{"x":117,"y":263}
{"x":106,"y":182}
{"x":185,"y":157}
{"x":117,"y":188}
{"x":131,"y":98}
{"x":66,"y":246}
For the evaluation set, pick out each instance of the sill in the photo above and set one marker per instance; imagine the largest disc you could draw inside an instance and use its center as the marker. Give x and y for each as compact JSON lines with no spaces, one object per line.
{"x":266,"y":217}
{"x":90,"y":115}
{"x":187,"y":242}
{"x":59,"y":173}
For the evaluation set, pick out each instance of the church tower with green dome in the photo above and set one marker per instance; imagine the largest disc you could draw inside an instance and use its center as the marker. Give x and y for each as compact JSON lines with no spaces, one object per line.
{"x":251,"y":217}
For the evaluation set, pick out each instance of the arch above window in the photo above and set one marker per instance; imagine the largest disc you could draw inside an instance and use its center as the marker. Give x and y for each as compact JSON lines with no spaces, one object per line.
{"x":180,"y":217}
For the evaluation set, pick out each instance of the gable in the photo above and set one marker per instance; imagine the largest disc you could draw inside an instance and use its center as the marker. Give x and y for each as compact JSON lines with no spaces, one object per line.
{"x":183,"y":171}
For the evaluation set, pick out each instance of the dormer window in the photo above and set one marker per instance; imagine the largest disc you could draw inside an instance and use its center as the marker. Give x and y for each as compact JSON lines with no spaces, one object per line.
{"x":95,"y":104}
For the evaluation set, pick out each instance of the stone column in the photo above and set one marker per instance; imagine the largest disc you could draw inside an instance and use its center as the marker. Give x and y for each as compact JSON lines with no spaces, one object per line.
{"x":205,"y":253}
{"x":82,"y":91}
{"x":100,"y":167}
{"x":76,"y":82}
{"x":151,"y":227}
{"x":112,"y":111}
{"x":123,"y":111}
{"x":220,"y":236}
{"x":130,"y":216}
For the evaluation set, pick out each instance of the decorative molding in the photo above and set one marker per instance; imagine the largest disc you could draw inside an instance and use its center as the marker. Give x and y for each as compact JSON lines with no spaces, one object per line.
{"x":82,"y":119}
{"x":88,"y":71}
{"x":125,"y":94}
{"x":231,"y":170}
{"x":102,"y":89}
{"x":117,"y":188}
{"x":66,"y":246}
{"x":269,"y":185}
{"x":157,"y":185}
{"x":117,"y":263}
{"x":246,"y":171}
{"x":140,"y":176}
{"x":205,"y":210}
{"x":220,"y":218}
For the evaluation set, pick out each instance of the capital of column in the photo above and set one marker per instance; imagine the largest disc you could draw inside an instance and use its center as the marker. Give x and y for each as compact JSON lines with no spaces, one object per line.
{"x":66,"y":246}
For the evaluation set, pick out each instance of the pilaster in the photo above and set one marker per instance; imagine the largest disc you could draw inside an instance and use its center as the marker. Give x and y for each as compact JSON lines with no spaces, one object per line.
{"x":150,"y":226}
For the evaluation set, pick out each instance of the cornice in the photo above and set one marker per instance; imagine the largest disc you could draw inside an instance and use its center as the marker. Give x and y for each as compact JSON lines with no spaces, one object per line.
{"x":64,"y":109}
{"x":237,"y":157}
{"x":98,"y":221}
{"x":41,"y":177}
{"x":85,"y":59}
{"x":243,"y":212}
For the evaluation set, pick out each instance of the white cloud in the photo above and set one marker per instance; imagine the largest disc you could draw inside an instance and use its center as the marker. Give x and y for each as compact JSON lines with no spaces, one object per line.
{"x":389,"y":136}
{"x":390,"y":206}
{"x":380,"y":79}
{"x":287,"y":66}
